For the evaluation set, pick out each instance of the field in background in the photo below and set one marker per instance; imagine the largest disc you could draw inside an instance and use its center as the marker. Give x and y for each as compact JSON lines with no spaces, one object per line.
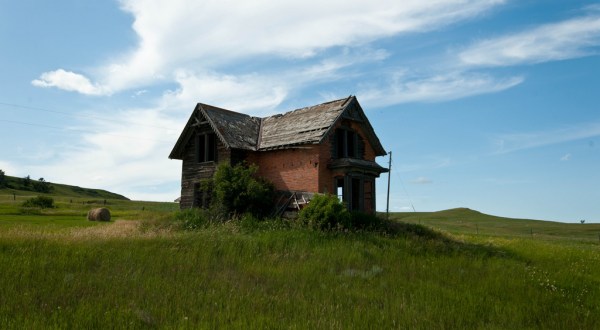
{"x":138,"y":271}
{"x":466,"y":221}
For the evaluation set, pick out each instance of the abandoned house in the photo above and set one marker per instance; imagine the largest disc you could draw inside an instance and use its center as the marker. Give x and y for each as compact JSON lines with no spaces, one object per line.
{"x":325,"y":148}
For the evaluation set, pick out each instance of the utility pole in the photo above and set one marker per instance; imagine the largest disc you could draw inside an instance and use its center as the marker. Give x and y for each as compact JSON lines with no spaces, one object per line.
{"x":387,"y":211}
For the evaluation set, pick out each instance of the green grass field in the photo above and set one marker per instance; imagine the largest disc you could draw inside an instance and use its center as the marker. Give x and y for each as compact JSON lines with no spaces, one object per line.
{"x":457,"y":269}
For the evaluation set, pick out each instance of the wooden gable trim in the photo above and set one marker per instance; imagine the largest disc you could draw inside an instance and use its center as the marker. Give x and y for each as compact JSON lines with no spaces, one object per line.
{"x":214,"y":127}
{"x":352,"y":103}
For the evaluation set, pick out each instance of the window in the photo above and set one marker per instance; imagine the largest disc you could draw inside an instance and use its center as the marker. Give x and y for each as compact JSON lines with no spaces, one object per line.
{"x":339,"y":183}
{"x":346,"y":143}
{"x":206,"y":148}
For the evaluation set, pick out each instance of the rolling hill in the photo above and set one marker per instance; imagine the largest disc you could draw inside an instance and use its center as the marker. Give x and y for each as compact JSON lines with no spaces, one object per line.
{"x":467,"y":221}
{"x":19,"y":187}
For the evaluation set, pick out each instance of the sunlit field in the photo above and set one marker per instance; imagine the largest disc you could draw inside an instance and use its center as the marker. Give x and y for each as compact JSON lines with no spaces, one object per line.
{"x":142,"y":270}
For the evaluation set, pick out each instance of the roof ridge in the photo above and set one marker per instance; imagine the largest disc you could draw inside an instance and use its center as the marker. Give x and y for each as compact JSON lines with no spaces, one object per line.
{"x":277,"y":115}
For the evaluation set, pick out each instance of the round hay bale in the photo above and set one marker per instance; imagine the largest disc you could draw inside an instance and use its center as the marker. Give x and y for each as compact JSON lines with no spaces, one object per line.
{"x":100,"y":214}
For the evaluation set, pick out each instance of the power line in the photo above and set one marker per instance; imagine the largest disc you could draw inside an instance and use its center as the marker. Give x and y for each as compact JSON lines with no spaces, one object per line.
{"x":80,"y":130}
{"x":405,"y":191}
{"x":75,"y":115}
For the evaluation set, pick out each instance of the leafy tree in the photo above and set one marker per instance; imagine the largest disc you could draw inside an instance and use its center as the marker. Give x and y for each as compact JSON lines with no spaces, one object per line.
{"x":238,"y":190}
{"x":2,"y":179}
{"x":27,"y":181}
{"x":42,"y":186}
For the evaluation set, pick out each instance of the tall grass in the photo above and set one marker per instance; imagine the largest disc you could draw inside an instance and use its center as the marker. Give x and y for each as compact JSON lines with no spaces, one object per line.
{"x":271,"y":275}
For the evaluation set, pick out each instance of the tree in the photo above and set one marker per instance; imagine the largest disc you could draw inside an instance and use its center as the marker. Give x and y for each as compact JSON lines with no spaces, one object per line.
{"x":27,"y":181}
{"x":2,"y":179}
{"x":42,"y":186}
{"x":238,"y":190}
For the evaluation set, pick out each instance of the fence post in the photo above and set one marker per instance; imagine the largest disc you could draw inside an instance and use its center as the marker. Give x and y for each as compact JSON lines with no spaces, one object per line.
{"x":531,"y":232}
{"x":14,"y":196}
{"x":477,"y":227}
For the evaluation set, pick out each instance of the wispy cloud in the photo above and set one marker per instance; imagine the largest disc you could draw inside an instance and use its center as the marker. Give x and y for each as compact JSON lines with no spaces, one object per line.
{"x":402,"y":88}
{"x":566,"y":157}
{"x":210,"y":35}
{"x":421,"y":180}
{"x":507,"y":143}
{"x":571,"y":38}
{"x":127,"y":155}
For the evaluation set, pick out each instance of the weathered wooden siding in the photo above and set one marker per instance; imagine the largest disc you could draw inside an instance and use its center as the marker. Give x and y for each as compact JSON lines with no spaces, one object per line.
{"x":193,"y":172}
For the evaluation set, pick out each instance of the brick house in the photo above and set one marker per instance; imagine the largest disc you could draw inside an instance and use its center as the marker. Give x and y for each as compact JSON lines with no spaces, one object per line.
{"x":325,"y":148}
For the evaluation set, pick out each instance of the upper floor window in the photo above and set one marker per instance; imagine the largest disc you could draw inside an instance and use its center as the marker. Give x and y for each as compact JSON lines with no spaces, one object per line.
{"x":206,"y":147}
{"x":346,"y":143}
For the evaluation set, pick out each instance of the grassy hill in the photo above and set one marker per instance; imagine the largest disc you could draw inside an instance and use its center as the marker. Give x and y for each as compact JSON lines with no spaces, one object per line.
{"x":467,"y":221}
{"x":18,"y":187}
{"x":457,"y":269}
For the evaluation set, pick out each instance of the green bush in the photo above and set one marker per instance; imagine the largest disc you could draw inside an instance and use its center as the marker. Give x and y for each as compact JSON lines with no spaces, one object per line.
{"x":325,"y":212}
{"x":39,"y":201}
{"x":238,"y":191}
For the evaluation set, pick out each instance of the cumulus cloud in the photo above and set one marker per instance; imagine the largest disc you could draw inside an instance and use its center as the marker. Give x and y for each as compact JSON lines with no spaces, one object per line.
{"x":403,"y":88}
{"x":572,"y":38}
{"x":69,"y":81}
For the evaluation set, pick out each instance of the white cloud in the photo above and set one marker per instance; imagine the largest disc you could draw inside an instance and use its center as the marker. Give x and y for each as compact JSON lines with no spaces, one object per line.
{"x":9,"y":168}
{"x":69,"y":81}
{"x":421,"y":180}
{"x":507,"y":143}
{"x":402,"y":88}
{"x":239,"y":93}
{"x":566,"y":157}
{"x":210,"y":35}
{"x":127,"y":156}
{"x":572,"y":38}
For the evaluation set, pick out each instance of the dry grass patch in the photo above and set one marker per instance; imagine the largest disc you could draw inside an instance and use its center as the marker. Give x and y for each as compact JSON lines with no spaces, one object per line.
{"x":119,"y":229}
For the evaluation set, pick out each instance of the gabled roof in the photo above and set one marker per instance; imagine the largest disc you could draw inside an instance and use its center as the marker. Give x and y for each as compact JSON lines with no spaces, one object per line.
{"x":309,"y":125}
{"x":236,"y":130}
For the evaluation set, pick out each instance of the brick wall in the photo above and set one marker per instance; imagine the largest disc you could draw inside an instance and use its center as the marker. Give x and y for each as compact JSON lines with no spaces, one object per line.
{"x":289,"y":169}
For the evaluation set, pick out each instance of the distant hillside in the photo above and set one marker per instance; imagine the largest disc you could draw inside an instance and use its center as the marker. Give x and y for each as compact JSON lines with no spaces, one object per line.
{"x":21,"y":186}
{"x":467,"y":221}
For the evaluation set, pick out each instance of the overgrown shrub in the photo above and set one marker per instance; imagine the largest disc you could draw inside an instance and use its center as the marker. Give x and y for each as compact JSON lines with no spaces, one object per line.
{"x":238,"y":191}
{"x":39,"y":201}
{"x":325,"y":212}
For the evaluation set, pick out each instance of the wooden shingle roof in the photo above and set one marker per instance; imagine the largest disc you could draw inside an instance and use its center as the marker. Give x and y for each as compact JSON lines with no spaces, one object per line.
{"x":309,"y":125}
{"x":302,"y":126}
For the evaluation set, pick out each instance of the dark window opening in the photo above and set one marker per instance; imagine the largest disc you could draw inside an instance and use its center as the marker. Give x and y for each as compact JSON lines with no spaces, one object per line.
{"x":355,"y":205}
{"x":346,"y":143}
{"x":206,"y":148}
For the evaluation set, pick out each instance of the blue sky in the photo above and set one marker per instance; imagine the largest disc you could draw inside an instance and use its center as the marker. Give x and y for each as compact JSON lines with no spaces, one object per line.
{"x":491,"y":105}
